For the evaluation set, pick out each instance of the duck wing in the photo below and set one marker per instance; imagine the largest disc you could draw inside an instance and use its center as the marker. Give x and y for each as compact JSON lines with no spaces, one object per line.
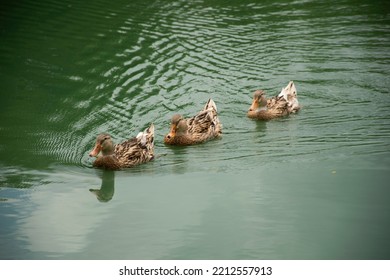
{"x":276,"y":107}
{"x":136,"y":150}
{"x":206,"y":122}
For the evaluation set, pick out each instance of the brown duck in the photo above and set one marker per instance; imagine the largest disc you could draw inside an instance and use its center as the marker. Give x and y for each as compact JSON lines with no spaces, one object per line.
{"x":202,"y":127}
{"x":285,"y":103}
{"x":132,"y":152}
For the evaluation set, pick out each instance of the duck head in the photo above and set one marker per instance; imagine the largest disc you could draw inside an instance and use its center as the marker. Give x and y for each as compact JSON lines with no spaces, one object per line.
{"x":103,"y":144}
{"x":259,"y":101}
{"x":178,"y":128}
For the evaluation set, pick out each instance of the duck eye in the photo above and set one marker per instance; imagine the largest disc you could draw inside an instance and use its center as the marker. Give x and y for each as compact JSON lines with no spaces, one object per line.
{"x":104,"y":139}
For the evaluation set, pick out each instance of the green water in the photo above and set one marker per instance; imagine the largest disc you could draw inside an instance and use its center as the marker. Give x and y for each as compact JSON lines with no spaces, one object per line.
{"x":311,"y":186}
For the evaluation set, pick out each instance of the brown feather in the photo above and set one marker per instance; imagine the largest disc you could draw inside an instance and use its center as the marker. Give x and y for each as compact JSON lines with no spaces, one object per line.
{"x":132,"y":152}
{"x":276,"y":106}
{"x":200,"y":128}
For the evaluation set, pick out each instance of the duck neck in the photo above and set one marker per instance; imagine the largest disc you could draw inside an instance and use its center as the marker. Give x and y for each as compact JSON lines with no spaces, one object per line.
{"x":262,"y":108}
{"x":108,"y":151}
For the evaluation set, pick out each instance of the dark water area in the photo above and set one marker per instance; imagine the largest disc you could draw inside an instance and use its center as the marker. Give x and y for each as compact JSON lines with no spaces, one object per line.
{"x":314,"y":185}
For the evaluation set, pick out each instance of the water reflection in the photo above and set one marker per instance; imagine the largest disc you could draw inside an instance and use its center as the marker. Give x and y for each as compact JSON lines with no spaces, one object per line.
{"x":178,"y":160}
{"x":18,"y":178}
{"x":261,"y":127}
{"x":106,"y":191}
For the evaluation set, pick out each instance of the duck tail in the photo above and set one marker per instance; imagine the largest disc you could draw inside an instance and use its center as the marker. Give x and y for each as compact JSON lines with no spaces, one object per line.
{"x":150,"y":130}
{"x":147,"y":136}
{"x":289,"y":94}
{"x":210,"y":105}
{"x":289,"y":91}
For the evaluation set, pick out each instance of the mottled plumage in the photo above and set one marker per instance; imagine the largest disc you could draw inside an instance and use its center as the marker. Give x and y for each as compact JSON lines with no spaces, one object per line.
{"x":285,"y":103}
{"x":127,"y":154}
{"x":200,"y":128}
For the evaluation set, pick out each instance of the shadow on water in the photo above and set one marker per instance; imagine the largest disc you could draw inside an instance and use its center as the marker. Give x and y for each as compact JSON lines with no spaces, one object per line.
{"x":261,"y":126}
{"x":177,"y":159}
{"x":107,"y":188}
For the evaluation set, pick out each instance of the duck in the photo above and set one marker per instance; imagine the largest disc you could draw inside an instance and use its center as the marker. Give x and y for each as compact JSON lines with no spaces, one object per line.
{"x":200,"y":128}
{"x":285,"y":103}
{"x":129,"y":153}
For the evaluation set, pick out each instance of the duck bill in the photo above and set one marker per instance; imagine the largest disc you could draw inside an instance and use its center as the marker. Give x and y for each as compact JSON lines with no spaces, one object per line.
{"x":171,"y":133}
{"x":95,"y":150}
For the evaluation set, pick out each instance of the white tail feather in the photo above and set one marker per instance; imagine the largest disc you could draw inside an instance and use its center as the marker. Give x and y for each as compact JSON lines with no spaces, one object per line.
{"x":143,"y":136}
{"x":210,"y":105}
{"x":289,"y":93}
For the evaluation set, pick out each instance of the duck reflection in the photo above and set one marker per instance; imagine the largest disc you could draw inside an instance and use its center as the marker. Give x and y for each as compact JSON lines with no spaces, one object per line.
{"x":106,"y":191}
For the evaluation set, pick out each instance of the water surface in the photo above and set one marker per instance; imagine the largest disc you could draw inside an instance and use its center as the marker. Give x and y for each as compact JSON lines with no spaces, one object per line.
{"x":310,"y":186}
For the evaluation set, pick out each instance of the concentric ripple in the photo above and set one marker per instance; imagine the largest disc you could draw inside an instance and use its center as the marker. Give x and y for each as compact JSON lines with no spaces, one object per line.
{"x":88,"y":68}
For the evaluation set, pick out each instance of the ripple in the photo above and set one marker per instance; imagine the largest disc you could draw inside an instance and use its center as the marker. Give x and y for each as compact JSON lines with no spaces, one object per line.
{"x":119,"y":69}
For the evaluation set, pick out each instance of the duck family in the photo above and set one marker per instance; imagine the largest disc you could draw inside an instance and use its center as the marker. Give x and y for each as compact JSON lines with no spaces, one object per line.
{"x":202,"y":127}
